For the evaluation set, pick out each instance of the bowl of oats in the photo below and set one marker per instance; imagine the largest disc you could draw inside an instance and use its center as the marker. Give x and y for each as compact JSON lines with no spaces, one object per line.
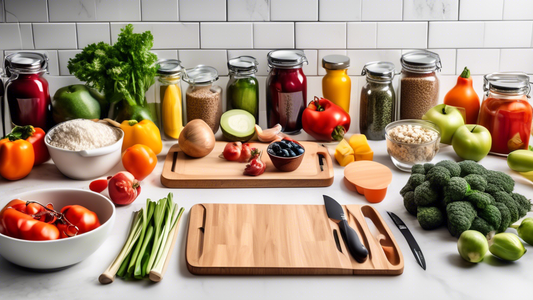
{"x":411,"y":142}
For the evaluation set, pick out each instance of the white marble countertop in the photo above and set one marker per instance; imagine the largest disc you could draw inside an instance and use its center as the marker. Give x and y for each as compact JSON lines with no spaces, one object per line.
{"x":447,"y":275}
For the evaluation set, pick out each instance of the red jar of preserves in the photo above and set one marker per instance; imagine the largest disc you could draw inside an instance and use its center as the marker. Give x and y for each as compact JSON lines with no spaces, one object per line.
{"x":506,"y":112}
{"x":286,"y":96}
{"x":27,"y":91}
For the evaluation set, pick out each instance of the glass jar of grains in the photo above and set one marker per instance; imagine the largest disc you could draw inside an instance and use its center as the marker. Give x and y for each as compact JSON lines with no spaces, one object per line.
{"x":169,"y":96}
{"x":204,"y":99}
{"x":419,"y":84}
{"x":377,"y":99}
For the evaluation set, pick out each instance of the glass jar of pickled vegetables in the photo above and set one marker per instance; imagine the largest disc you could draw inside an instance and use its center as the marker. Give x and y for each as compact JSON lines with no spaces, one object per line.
{"x":242,"y":91}
{"x":336,"y":84}
{"x":286,"y":95}
{"x":506,"y":112}
{"x":169,"y":97}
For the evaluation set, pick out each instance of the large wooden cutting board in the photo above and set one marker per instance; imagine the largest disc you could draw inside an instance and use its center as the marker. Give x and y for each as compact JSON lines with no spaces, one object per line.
{"x":211,"y":171}
{"x":248,"y":239}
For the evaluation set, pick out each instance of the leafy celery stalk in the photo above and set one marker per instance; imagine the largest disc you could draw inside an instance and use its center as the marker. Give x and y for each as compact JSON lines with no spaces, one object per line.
{"x":147,"y":238}
{"x":159,"y":216}
{"x":160,"y":261}
{"x":146,"y":216}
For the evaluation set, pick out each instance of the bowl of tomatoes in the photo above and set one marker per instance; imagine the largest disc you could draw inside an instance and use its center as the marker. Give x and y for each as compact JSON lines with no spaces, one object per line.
{"x":53,"y":228}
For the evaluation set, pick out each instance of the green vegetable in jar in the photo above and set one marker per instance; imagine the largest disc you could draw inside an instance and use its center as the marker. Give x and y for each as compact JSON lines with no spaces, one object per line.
{"x":472,"y":246}
{"x":506,"y":246}
{"x":376,"y":110}
{"x":525,"y":230}
{"x":243,"y":93}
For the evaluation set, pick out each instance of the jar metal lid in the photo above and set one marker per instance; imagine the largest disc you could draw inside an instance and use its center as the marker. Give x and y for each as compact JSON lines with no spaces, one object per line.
{"x":379,"y":70}
{"x":421,"y":61}
{"x":286,"y":59}
{"x":511,"y":82}
{"x":243,"y":64}
{"x":335,"y":62}
{"x":26,"y":63}
{"x":200,"y":75}
{"x":169,"y":66}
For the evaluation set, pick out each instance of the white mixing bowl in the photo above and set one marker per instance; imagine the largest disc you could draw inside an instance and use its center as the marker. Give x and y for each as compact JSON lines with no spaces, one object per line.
{"x":63,"y":252}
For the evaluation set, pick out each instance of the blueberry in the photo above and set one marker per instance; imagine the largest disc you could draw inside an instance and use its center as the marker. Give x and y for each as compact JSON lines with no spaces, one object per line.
{"x":300,"y":150}
{"x":291,"y":153}
{"x":271,"y":151}
{"x":284,"y":153}
{"x":275,"y":147}
{"x":294,"y":145}
{"x":283,"y":146}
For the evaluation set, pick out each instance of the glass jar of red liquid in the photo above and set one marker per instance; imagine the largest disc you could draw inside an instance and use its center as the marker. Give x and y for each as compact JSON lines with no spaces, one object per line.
{"x":286,"y":96}
{"x":27,"y":91}
{"x":506,"y":112}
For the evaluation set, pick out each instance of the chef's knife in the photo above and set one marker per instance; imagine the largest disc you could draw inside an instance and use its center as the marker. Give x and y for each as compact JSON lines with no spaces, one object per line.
{"x":410,"y":239}
{"x":336,"y":213}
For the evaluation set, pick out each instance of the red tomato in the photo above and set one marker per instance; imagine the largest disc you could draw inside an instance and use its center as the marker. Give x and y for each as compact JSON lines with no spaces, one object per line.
{"x":80,"y":217}
{"x":139,"y":160}
{"x":19,"y":225}
{"x":232,"y":151}
{"x":123,"y":188}
{"x":98,"y":185}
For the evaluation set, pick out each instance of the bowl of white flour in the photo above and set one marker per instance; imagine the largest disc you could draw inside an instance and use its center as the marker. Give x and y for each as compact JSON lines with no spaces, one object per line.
{"x":84,"y":149}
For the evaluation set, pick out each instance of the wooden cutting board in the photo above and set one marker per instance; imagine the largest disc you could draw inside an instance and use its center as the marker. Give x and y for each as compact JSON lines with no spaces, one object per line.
{"x":211,"y":171}
{"x":251,"y":239}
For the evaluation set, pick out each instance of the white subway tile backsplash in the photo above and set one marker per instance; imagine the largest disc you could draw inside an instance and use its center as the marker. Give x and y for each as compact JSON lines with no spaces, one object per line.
{"x":2,"y":16}
{"x":223,"y":35}
{"x":272,"y":35}
{"x":72,"y":11}
{"x":456,"y":34}
{"x":118,"y":10}
{"x":57,"y":82}
{"x":159,"y":10}
{"x":362,"y":34}
{"x":53,"y":65}
{"x":517,"y":60}
{"x":508,"y":34}
{"x":26,"y":11}
{"x":479,"y":61}
{"x":26,"y":35}
{"x":55,"y":36}
{"x":322,"y":53}
{"x":340,"y":10}
{"x":214,"y":58}
{"x":89,"y":33}
{"x":402,"y":34}
{"x":447,"y":58}
{"x":166,"y":54}
{"x":64,"y":56}
{"x":481,"y":10}
{"x":382,"y":10}
{"x":259,"y":55}
{"x":518,"y":10}
{"x":358,"y":58}
{"x":321,"y":35}
{"x":202,"y":10}
{"x":294,"y":10}
{"x":430,"y":10}
{"x":166,"y":35}
{"x":249,"y":10}
{"x":312,"y":59}
{"x":11,"y":36}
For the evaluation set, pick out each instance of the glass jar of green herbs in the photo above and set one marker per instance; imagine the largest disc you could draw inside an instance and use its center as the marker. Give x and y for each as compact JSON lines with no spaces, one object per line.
{"x":378,"y":100}
{"x":243,"y":87}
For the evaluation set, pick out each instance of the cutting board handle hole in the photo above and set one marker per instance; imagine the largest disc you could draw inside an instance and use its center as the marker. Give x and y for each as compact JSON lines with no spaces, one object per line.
{"x":380,"y":234}
{"x":200,"y":241}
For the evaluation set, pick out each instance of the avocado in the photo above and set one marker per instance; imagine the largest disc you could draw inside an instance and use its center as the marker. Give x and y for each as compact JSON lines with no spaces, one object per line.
{"x":237,"y":125}
{"x":74,"y":102}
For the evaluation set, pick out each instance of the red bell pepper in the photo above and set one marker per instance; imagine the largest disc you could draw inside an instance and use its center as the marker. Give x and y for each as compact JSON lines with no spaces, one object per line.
{"x":35,"y":136}
{"x":325,"y":121}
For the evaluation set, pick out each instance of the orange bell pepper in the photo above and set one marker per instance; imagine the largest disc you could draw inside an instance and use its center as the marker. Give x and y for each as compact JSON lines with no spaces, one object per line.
{"x":463,"y":95}
{"x":144,"y":133}
{"x":16,"y":158}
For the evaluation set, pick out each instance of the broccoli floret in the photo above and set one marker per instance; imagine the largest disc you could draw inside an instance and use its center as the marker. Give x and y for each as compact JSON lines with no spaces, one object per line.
{"x":460,"y":217}
{"x":457,"y":189}
{"x":418,"y":169}
{"x":414,"y":181}
{"x":506,"y":199}
{"x":493,"y":189}
{"x":425,"y":195}
{"x":506,"y":216}
{"x":453,"y":167}
{"x":481,"y":225}
{"x":471,"y":167}
{"x":501,"y":180}
{"x":428,"y":166}
{"x":429,"y":217}
{"x":409,"y":202}
{"x":523,"y":204}
{"x":438,"y":177}
{"x":477,"y":182}
{"x":479,"y":199}
{"x":492,"y":215}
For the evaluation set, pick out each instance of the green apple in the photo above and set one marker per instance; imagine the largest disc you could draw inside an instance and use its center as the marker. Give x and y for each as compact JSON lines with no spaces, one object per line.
{"x":448,"y":118}
{"x":73,"y":102}
{"x":472,"y":142}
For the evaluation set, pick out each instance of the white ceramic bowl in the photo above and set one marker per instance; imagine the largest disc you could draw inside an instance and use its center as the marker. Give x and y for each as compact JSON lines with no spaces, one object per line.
{"x":63,"y":252}
{"x":85,"y":164}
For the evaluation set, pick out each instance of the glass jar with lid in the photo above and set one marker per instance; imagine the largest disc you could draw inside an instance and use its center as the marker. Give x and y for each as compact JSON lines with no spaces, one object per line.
{"x":419,"y":84}
{"x":506,"y":112}
{"x":27,"y":90}
{"x":169,"y":97}
{"x":336,"y":84}
{"x":242,"y":91}
{"x":286,"y":95}
{"x":378,"y":99}
{"x":203,"y":97}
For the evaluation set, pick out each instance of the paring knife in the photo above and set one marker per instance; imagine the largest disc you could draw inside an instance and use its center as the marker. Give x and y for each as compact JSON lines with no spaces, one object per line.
{"x":336,"y":213}
{"x":410,"y":239}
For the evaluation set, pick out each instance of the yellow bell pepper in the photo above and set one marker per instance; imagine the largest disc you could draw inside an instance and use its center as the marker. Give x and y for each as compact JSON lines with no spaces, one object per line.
{"x":362,"y":150}
{"x":344,"y":153}
{"x":144,"y":132}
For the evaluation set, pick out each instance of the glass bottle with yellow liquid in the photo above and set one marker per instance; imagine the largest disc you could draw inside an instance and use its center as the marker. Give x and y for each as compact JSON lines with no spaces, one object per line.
{"x":169,"y":96}
{"x":336,"y":84}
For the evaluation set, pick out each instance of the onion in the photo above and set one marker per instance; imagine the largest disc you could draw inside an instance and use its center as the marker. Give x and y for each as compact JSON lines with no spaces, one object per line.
{"x":197,"y":139}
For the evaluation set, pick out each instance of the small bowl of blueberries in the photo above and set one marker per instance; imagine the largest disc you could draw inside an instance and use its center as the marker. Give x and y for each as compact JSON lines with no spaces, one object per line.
{"x":286,"y":155}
